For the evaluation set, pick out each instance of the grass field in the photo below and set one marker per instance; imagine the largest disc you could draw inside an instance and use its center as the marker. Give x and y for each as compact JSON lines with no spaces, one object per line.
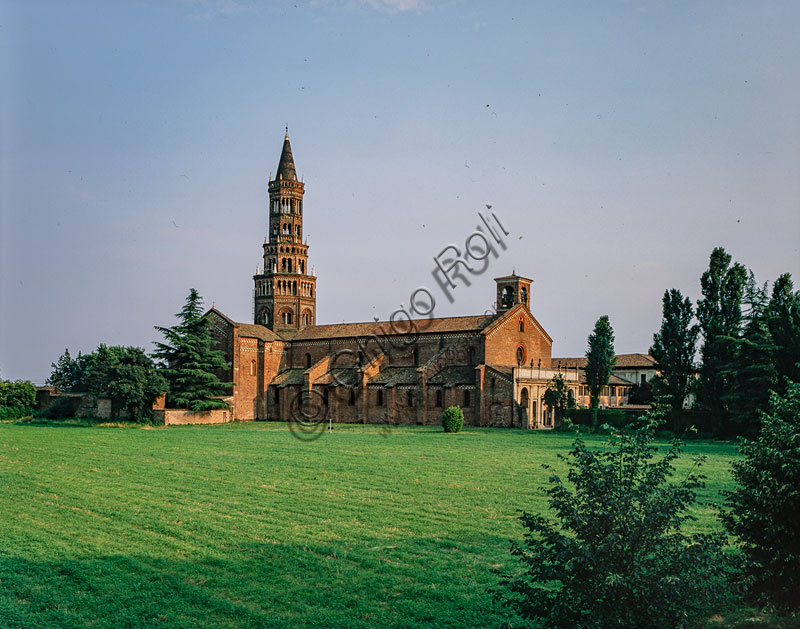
{"x":243,"y":525}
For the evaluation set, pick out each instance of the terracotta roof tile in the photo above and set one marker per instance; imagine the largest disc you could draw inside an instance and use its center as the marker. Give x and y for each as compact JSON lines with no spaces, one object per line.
{"x":385,"y":328}
{"x":629,"y":361}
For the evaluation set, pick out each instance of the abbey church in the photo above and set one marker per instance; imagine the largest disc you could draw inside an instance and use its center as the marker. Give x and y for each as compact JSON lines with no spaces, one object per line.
{"x":496,"y":367}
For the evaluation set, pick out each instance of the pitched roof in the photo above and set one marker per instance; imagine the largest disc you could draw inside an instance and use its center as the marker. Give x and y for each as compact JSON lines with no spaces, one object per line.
{"x":289,"y":377}
{"x":249,"y":330}
{"x":286,"y":169}
{"x":624,"y":361}
{"x":344,"y":377}
{"x":394,"y":376}
{"x":386,"y":328}
{"x":453,"y":375}
{"x":254,"y":330}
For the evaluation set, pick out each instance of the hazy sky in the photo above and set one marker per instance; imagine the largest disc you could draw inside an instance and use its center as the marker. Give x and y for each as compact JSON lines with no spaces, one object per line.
{"x":618,"y":142}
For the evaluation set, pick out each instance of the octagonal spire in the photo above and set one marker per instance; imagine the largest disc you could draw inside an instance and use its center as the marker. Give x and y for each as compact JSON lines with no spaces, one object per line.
{"x":286,"y":169}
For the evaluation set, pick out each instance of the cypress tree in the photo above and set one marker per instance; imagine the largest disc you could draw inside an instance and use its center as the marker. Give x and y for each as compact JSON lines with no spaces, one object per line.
{"x":674,"y":347}
{"x":600,"y":361}
{"x":719,"y":313}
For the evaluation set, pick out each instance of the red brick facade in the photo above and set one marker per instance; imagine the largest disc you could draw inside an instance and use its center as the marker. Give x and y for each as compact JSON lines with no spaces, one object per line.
{"x":286,"y":367}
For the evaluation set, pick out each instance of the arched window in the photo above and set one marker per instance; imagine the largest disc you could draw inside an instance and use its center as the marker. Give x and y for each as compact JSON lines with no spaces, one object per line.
{"x":276,"y":396}
{"x":308,"y":360}
{"x":360,"y":359}
{"x":252,"y":368}
{"x":416,"y":356}
{"x":466,"y":398}
{"x":523,"y":295}
{"x":289,"y":318}
{"x":492,"y":385}
{"x":283,"y":317}
{"x":471,"y":355}
{"x":523,"y":398}
{"x":521,"y":324}
{"x":380,"y":397}
{"x":352,"y":400}
{"x":325,"y":396}
{"x":507,"y":299}
{"x":439,"y":398}
{"x":409,"y":398}
{"x":520,"y":355}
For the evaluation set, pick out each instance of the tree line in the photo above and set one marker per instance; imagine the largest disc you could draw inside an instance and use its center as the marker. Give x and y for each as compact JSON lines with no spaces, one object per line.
{"x":184,"y":367}
{"x":749,"y":336}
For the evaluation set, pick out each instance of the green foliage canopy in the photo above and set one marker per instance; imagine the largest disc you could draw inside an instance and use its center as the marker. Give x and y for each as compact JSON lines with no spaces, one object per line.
{"x":17,"y":398}
{"x":452,"y":419}
{"x":616,"y":556}
{"x":188,"y":361}
{"x":600,"y":359}
{"x":673,"y":348}
{"x":559,"y":397}
{"x":719,"y":313}
{"x":763,"y":512}
{"x":126,"y":375}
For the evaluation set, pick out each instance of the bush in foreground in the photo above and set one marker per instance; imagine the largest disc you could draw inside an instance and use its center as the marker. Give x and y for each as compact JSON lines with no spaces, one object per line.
{"x":764,"y":509}
{"x":616,"y":556}
{"x":452,"y":419}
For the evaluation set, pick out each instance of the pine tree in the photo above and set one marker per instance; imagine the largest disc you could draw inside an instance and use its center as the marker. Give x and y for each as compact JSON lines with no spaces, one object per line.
{"x":751,"y":373}
{"x":188,"y":361}
{"x":674,"y":347}
{"x":783,"y":317}
{"x":63,"y":373}
{"x":600,"y":361}
{"x":719,"y":313}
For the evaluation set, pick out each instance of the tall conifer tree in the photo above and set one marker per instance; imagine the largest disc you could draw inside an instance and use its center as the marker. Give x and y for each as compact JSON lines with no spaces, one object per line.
{"x":719,"y":313}
{"x":783,"y":317}
{"x":674,"y":347}
{"x":600,"y":361}
{"x":188,"y":361}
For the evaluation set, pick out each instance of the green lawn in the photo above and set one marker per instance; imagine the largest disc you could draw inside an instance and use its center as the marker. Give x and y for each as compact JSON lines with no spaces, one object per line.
{"x":243,"y":525}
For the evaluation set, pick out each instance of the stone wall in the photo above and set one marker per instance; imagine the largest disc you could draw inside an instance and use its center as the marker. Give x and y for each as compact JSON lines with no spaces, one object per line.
{"x":174,"y":417}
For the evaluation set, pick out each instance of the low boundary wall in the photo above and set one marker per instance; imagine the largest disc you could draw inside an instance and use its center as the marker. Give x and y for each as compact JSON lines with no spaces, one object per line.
{"x":173,"y":417}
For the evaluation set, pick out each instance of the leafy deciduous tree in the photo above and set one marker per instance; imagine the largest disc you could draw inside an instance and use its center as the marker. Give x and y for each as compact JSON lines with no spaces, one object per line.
{"x":617,"y":557}
{"x":763,"y":511}
{"x":559,"y":397}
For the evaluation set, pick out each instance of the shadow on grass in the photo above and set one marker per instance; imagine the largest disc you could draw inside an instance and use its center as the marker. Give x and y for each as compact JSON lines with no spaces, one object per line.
{"x":262,"y":585}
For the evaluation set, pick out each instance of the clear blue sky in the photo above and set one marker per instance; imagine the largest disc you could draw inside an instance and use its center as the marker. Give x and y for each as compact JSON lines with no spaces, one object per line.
{"x":619,"y":142}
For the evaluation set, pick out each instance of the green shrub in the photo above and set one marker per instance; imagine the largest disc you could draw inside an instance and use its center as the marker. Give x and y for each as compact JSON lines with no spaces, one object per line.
{"x":616,"y":556}
{"x":17,"y":398}
{"x":452,"y":419}
{"x":617,"y":418}
{"x":763,"y":510}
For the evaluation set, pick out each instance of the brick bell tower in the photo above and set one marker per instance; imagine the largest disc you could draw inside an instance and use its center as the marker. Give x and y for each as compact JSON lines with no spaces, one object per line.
{"x":286,"y":292}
